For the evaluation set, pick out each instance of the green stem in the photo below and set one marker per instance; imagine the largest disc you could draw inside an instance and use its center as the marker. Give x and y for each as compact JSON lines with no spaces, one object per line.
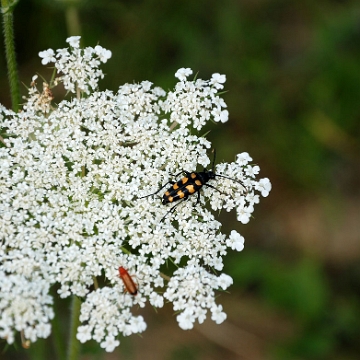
{"x":74,"y":344}
{"x":7,"y":8}
{"x":57,"y":339}
{"x":72,"y":21}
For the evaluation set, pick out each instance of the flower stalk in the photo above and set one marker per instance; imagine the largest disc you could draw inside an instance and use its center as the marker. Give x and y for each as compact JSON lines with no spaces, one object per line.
{"x":7,"y":8}
{"x":74,"y":344}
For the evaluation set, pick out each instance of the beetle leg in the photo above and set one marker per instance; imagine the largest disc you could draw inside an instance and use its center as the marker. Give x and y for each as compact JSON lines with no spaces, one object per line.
{"x":169,"y":182}
{"x":198,"y":198}
{"x":172,"y":209}
{"x":181,"y":172}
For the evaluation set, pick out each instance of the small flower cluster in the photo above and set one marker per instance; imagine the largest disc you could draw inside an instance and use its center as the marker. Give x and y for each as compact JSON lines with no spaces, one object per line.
{"x":80,"y":67}
{"x":25,"y":305}
{"x":191,"y":290}
{"x":71,"y":181}
{"x":196,"y":102}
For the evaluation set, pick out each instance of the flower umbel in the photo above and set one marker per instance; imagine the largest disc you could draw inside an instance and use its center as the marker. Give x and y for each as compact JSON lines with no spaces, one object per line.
{"x":72,"y":176}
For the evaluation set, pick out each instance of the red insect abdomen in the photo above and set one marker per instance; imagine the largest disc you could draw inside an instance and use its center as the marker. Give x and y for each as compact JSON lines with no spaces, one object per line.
{"x":129,"y":283}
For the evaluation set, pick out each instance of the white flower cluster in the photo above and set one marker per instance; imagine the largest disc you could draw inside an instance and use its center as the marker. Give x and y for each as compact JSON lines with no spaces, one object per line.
{"x":80,"y":67}
{"x":196,"y":102}
{"x":71,"y":181}
{"x":187,"y":286}
{"x":25,"y":305}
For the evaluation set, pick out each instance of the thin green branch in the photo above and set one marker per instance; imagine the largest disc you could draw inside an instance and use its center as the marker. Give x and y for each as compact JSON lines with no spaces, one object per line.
{"x":7,"y":8}
{"x":57,"y":336}
{"x":74,"y":343}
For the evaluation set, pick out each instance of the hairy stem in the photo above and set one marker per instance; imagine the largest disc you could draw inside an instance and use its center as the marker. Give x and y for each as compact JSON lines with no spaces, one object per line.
{"x":7,"y":8}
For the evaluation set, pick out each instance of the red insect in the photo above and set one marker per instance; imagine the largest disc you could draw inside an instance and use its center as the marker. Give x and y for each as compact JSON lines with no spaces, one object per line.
{"x":129,"y":283}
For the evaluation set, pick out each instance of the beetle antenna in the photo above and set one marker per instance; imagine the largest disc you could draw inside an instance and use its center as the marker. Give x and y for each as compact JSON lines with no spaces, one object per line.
{"x":226,"y":177}
{"x":213,"y":164}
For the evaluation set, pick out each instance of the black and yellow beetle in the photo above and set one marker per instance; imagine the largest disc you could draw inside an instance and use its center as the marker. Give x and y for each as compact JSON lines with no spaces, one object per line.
{"x":191,"y":183}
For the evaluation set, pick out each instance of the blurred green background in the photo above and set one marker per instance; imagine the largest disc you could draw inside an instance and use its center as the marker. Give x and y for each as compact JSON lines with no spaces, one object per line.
{"x":293,"y":81}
